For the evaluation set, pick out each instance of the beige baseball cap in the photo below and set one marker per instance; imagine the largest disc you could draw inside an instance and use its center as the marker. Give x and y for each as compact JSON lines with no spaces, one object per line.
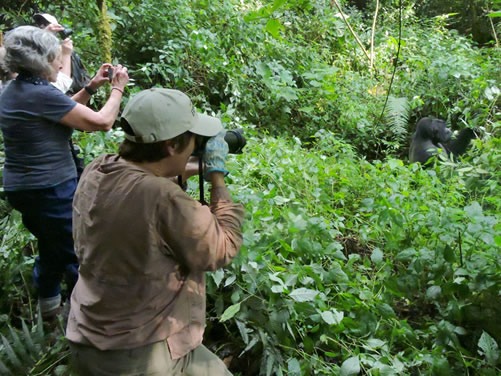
{"x":43,"y":19}
{"x":159,"y":114}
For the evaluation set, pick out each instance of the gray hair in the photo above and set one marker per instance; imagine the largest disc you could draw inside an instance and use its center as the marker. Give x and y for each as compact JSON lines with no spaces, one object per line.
{"x":4,"y":72}
{"x":30,"y":49}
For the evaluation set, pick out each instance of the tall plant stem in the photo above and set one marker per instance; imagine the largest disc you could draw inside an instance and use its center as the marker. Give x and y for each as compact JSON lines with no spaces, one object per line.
{"x":494,"y":31}
{"x":373,"y":32}
{"x":351,"y":29}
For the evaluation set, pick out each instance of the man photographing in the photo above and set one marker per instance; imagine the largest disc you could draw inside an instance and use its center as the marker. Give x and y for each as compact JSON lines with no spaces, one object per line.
{"x":144,"y":244}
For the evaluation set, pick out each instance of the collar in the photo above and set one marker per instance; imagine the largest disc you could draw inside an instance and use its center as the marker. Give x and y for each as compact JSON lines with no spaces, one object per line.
{"x":28,"y":77}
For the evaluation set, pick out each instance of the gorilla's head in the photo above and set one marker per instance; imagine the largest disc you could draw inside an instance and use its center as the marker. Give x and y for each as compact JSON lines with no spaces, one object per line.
{"x":433,"y":129}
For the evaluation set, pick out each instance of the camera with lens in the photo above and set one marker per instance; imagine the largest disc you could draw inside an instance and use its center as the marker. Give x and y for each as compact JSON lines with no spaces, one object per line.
{"x":65,"y":33}
{"x":236,"y":142}
{"x":44,"y":19}
{"x":234,"y":138}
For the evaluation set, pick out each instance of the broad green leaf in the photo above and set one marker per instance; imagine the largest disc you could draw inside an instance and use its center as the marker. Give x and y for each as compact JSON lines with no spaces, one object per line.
{"x":332,"y":317}
{"x":492,"y":93}
{"x":489,"y":348}
{"x":375,"y":343}
{"x":385,"y":310}
{"x":350,"y":366}
{"x":385,"y":370}
{"x":303,"y":294}
{"x":406,"y":255}
{"x":497,"y":239}
{"x":365,"y":294}
{"x":230,"y":312}
{"x":277,"y":289}
{"x":229,"y":280}
{"x":293,"y":367}
{"x":218,"y":276}
{"x":474,"y":210}
{"x":433,"y":292}
{"x":441,"y":367}
{"x":377,"y":256}
{"x":274,"y":26}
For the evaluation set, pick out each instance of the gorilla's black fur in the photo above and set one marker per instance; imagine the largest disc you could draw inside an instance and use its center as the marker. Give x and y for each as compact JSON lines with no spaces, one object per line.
{"x":432,"y":135}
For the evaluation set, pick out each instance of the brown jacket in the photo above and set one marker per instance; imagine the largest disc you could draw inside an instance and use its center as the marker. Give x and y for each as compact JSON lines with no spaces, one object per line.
{"x":144,"y":245}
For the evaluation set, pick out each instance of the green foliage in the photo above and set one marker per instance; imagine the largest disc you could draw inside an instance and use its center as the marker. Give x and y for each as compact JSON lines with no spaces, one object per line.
{"x":469,"y":17}
{"x":16,"y":250}
{"x":459,"y":85}
{"x":29,"y":351}
{"x":291,"y":68}
{"x":397,"y":111}
{"x":362,"y":265}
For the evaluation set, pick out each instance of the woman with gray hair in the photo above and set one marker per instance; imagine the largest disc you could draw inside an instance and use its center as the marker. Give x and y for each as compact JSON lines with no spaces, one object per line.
{"x":39,"y":175}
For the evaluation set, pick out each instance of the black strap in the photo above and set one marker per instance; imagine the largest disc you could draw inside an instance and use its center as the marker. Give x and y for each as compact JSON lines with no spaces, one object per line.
{"x":200,"y":182}
{"x":79,"y":161}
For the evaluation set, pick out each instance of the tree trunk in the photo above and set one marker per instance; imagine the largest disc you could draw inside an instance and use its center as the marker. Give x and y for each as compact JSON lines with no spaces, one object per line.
{"x":105,"y":34}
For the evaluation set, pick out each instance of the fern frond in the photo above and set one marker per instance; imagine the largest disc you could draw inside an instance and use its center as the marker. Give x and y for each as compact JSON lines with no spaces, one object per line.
{"x":38,"y":329}
{"x":11,"y":354}
{"x":24,"y":352}
{"x":30,"y":345}
{"x":4,"y":370}
{"x":18,"y":346}
{"x":397,"y":116}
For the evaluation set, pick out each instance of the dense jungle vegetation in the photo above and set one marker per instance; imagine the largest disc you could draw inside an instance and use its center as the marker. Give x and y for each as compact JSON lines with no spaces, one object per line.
{"x":355,"y":261}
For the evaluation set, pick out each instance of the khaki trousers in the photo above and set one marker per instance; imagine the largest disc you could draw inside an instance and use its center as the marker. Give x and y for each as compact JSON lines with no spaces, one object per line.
{"x":150,"y":360}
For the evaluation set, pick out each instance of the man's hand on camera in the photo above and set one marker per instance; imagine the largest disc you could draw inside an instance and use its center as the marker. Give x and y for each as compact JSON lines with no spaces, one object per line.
{"x":54,"y":28}
{"x":67,"y":47}
{"x":214,"y":157}
{"x":191,"y":168}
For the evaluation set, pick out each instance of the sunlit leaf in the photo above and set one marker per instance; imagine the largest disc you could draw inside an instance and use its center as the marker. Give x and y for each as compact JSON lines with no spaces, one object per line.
{"x":489,"y":348}
{"x":293,"y":367}
{"x":350,"y":366}
{"x":230,"y":312}
{"x":332,"y":317}
{"x":303,"y":294}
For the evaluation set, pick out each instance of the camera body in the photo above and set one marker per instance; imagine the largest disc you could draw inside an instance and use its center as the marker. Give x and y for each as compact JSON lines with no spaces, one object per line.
{"x":65,"y":33}
{"x":44,"y":19}
{"x":234,"y":138}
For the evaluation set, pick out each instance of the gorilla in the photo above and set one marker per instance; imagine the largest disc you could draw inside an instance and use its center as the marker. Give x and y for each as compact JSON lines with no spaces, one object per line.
{"x":432,"y":134}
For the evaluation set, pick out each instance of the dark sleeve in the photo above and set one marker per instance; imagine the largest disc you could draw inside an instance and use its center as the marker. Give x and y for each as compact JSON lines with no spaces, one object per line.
{"x":55,"y":104}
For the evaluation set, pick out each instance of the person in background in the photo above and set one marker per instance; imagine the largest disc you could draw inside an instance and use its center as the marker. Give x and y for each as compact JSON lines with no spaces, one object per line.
{"x":144,"y":244}
{"x":74,"y":76}
{"x":39,"y":176}
{"x":64,"y":81}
